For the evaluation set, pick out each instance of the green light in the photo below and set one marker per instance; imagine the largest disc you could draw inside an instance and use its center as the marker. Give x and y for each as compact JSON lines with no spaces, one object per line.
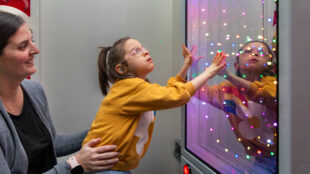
{"x":271,"y":153}
{"x":224,"y":76}
{"x":261,"y":76}
{"x":274,"y":41}
{"x":248,"y":157}
{"x":219,"y":51}
{"x":244,"y":76}
{"x":194,"y":75}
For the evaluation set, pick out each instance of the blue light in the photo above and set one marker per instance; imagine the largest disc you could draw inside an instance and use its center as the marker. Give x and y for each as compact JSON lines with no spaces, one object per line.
{"x":233,"y":45}
{"x":269,"y":20}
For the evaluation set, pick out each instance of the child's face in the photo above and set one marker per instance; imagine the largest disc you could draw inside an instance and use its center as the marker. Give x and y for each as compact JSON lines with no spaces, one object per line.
{"x":138,"y":58}
{"x":253,"y":58}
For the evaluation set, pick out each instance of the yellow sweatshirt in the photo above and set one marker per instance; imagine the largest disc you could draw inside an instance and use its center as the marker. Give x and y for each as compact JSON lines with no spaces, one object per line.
{"x":123,"y":118}
{"x":259,"y":102}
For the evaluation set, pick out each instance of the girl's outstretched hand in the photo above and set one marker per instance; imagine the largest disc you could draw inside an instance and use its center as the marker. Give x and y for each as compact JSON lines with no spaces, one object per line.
{"x":219,"y":62}
{"x":188,"y":59}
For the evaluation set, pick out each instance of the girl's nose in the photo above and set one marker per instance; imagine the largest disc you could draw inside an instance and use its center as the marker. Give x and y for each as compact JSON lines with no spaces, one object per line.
{"x":255,"y":54}
{"x":146,"y":52}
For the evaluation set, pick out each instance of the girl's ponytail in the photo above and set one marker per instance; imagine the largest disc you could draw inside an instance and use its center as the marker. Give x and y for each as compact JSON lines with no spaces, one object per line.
{"x":103,"y":67}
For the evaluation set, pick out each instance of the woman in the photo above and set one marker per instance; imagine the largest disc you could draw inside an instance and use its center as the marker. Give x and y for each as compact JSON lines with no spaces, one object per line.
{"x":28,"y":141}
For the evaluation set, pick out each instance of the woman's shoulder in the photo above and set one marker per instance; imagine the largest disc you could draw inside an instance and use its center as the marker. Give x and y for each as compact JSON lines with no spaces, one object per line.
{"x":32,"y":87}
{"x":31,"y":84}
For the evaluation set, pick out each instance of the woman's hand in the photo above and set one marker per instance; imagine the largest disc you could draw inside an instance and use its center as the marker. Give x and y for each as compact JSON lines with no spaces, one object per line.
{"x":96,"y":158}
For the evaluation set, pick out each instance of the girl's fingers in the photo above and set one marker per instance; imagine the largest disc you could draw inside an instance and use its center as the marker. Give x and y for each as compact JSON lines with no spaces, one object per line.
{"x":185,"y":50}
{"x":194,"y":49}
{"x":215,"y":58}
{"x":222,"y":58}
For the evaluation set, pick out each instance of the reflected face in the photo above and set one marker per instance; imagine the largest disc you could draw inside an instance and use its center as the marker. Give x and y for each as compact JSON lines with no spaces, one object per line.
{"x":17,"y":58}
{"x":254,"y":57}
{"x":138,"y":58}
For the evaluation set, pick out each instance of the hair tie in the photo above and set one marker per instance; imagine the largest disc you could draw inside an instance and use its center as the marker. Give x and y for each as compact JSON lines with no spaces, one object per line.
{"x":107,"y":59}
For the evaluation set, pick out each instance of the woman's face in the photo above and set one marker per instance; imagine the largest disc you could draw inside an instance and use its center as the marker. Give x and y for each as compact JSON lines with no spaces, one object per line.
{"x":253,"y":58}
{"x":17,"y":58}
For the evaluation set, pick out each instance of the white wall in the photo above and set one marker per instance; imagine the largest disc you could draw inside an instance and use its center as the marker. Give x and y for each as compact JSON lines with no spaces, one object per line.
{"x":71,"y":32}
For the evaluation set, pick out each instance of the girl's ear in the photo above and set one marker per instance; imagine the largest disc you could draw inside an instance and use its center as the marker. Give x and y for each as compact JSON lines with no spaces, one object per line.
{"x":120,"y":69}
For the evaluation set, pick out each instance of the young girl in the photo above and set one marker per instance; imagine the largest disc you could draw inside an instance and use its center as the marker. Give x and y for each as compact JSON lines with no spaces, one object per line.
{"x":126,"y":115}
{"x":249,"y":99}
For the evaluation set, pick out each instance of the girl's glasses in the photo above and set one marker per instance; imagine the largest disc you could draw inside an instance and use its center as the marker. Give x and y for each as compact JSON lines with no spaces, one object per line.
{"x":137,"y":51}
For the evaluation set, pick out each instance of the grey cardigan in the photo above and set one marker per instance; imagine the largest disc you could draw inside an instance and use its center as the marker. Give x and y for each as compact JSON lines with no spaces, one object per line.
{"x":13,"y":158}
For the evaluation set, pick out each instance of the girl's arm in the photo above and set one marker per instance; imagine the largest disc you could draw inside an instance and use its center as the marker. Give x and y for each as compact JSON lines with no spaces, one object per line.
{"x":217,"y":64}
{"x":237,"y":81}
{"x":266,"y":88}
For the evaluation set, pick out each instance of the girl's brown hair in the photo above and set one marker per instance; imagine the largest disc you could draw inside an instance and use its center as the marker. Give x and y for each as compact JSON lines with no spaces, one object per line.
{"x":108,"y":58}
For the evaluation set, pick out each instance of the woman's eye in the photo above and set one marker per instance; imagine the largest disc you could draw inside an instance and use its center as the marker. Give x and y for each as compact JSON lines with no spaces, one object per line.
{"x":22,"y":47}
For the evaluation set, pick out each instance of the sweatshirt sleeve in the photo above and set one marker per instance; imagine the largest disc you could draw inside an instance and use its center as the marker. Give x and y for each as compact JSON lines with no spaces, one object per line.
{"x":266,"y":89}
{"x":212,"y":95}
{"x":146,"y":96}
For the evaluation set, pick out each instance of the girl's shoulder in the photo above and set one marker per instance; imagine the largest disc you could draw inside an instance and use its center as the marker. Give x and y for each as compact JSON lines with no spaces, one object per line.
{"x":129,"y":81}
{"x":269,"y":78}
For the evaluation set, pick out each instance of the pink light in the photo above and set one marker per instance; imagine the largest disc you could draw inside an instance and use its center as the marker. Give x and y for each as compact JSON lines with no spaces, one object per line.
{"x":224,"y":11}
{"x":243,"y":13}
